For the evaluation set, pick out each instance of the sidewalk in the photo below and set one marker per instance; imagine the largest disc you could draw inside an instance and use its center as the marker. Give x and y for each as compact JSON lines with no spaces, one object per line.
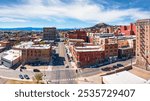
{"x":96,"y":79}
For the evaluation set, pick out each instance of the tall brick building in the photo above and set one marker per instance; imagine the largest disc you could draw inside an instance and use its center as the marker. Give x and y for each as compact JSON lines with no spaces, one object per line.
{"x":143,"y":44}
{"x":49,"y":33}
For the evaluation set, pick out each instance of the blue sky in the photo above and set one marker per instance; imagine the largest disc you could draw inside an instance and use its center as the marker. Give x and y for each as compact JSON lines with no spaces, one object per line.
{"x":71,"y":13}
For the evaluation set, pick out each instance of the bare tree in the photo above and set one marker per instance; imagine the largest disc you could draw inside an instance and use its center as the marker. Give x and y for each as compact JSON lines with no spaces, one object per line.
{"x":38,"y":77}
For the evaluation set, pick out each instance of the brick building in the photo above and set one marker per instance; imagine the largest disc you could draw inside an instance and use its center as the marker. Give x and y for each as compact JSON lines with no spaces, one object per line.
{"x":143,"y":44}
{"x":78,"y":34}
{"x":71,"y":35}
{"x":123,"y":43}
{"x":86,"y":54}
{"x":35,"y":53}
{"x":128,"y":30}
{"x":132,"y":44}
{"x":125,"y":52}
{"x":111,"y":51}
{"x":96,"y":37}
{"x":110,"y":46}
{"x":127,"y":41}
{"x":74,"y":41}
{"x":49,"y":33}
{"x":5,"y":44}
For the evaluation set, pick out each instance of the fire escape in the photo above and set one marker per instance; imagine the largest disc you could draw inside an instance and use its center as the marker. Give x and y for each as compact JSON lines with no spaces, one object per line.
{"x":142,"y":44}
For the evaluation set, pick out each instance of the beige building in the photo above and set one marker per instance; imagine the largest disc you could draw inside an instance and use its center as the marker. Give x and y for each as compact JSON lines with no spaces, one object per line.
{"x":31,"y":53}
{"x":37,"y":54}
{"x":143,"y":44}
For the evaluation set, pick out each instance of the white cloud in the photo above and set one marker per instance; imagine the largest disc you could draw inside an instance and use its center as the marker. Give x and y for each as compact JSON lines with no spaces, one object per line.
{"x":5,"y":19}
{"x":84,"y":10}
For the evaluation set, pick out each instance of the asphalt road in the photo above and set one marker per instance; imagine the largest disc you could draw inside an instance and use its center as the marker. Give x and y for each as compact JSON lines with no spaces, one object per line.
{"x":60,"y":74}
{"x":92,"y":71}
{"x":14,"y":74}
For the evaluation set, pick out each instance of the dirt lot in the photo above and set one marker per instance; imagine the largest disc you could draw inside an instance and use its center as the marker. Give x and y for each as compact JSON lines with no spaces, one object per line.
{"x":19,"y":82}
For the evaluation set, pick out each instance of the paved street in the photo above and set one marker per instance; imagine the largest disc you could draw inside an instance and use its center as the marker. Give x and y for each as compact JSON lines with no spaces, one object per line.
{"x":92,"y":71}
{"x":14,"y":74}
{"x":57,"y":72}
{"x":60,"y":74}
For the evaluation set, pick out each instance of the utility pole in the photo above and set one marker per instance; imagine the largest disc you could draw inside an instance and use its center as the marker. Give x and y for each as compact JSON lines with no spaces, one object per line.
{"x":131,"y":60}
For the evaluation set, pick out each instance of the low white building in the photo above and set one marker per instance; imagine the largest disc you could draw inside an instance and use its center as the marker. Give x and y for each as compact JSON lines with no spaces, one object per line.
{"x":11,"y":58}
{"x":124,"y":77}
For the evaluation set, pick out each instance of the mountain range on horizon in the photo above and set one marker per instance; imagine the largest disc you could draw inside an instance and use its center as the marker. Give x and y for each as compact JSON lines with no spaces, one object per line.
{"x":99,"y":25}
{"x":30,"y":29}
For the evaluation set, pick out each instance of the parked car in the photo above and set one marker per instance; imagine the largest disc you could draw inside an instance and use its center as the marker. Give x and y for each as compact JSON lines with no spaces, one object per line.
{"x":115,"y":66}
{"x":100,"y":65}
{"x":21,"y":76}
{"x":23,"y":67}
{"x":36,"y":70}
{"x":120,"y":65}
{"x":107,"y":69}
{"x":67,"y":66}
{"x":26,"y":76}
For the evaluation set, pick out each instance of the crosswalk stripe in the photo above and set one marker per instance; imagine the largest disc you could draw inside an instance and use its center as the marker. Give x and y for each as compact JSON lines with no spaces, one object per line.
{"x":71,"y":79}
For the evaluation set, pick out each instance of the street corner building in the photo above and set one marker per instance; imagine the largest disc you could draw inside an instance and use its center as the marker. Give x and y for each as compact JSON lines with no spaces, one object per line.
{"x":31,"y":53}
{"x":86,"y":54}
{"x":11,"y":58}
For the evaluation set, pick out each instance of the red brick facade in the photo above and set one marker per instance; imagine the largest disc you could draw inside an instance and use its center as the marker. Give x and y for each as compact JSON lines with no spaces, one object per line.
{"x":128,"y":30}
{"x":88,"y":58}
{"x":111,"y":50}
{"x":77,"y":35}
{"x":83,"y":57}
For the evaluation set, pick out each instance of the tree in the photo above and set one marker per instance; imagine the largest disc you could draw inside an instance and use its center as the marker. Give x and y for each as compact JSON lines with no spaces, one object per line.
{"x":38,"y":77}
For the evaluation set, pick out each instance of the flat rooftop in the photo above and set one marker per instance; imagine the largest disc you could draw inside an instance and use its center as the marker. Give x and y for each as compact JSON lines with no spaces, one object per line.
{"x":12,"y":55}
{"x":80,"y":47}
{"x":30,"y":45}
{"x":88,"y":48}
{"x":124,"y":77}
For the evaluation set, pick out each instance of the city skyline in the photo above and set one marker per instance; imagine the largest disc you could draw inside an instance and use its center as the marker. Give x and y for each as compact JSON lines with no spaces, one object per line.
{"x":70,"y":14}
